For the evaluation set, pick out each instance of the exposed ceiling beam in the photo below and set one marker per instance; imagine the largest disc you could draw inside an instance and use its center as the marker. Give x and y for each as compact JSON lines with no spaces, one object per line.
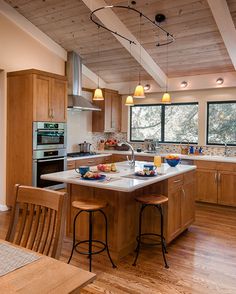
{"x":112,"y":21}
{"x":224,"y":21}
{"x":87,"y":73}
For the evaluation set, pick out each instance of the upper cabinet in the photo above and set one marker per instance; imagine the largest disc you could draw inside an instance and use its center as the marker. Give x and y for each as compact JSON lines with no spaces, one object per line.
{"x":109,"y":118}
{"x":47,"y":92}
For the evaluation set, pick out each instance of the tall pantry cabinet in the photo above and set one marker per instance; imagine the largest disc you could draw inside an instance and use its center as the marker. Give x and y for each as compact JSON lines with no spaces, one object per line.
{"x":32,"y":95}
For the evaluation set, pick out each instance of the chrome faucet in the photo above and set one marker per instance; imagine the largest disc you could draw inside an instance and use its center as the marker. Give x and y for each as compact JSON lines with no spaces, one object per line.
{"x":132,"y":161}
{"x":226,"y":149}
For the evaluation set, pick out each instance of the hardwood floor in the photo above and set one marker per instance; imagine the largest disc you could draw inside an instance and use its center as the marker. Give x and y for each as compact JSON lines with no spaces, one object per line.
{"x":202,"y":260}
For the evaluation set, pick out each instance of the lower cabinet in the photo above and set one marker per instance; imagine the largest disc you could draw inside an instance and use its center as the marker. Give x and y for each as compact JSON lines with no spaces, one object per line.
{"x":181,"y":204}
{"x":227,"y":188}
{"x":216,"y":182}
{"x":72,"y":164}
{"x":206,"y":185}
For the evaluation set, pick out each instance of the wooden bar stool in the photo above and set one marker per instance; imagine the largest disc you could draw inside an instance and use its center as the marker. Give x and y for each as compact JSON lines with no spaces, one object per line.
{"x":156,"y":201}
{"x":90,"y":208}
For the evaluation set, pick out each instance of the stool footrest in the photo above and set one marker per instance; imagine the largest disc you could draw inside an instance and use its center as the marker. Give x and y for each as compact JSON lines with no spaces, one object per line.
{"x":87,"y":242}
{"x":149,"y":244}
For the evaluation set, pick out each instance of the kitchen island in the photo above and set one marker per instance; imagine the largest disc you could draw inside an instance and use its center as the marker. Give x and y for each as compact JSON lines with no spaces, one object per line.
{"x":119,"y":191}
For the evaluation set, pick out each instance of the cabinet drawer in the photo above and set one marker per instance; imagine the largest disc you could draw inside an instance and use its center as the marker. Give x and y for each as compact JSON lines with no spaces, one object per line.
{"x":71,"y":164}
{"x":93,"y":161}
{"x":226,"y":166}
{"x":144,"y":158}
{"x":119,"y":157}
{"x":175,"y":182}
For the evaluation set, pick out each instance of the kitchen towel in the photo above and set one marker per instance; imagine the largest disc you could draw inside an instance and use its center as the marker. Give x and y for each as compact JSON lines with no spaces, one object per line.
{"x":12,"y":258}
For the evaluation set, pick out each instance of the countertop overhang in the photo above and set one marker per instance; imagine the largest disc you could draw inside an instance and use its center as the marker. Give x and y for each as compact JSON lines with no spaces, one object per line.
{"x":120,"y":181}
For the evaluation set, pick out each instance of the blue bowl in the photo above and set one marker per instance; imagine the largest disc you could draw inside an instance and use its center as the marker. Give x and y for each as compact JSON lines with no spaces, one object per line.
{"x":83,"y":170}
{"x":173,"y":162}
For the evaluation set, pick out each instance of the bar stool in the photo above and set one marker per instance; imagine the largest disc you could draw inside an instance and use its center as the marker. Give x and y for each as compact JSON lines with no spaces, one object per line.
{"x":156,"y":201}
{"x":90,"y":208}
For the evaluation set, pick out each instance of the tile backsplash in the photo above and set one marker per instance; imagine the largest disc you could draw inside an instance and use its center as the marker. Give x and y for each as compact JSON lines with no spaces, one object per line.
{"x":164,"y":148}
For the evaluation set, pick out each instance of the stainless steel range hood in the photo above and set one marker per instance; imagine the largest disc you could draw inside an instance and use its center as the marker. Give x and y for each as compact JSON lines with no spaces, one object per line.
{"x":74,"y":75}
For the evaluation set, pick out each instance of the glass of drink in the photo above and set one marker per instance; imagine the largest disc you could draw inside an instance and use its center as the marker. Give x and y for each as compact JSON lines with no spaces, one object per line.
{"x":157,"y":160}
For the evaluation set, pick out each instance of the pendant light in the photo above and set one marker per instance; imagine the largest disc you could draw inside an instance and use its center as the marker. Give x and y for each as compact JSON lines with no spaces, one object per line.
{"x":139,"y":91}
{"x":166,"y":96}
{"x":129,"y":99}
{"x":98,"y":95}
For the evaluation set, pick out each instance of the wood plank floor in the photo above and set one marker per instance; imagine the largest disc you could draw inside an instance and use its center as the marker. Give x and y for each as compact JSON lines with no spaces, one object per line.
{"x":202,"y":260}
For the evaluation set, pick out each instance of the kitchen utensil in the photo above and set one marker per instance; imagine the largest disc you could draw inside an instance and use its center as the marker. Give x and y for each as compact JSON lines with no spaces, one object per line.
{"x":84,"y":147}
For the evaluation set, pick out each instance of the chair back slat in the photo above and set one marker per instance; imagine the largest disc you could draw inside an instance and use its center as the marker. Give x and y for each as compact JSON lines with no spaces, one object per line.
{"x":51,"y":233}
{"x":41,"y":215}
{"x":34,"y":228}
{"x":29,"y":221}
{"x":46,"y":230}
{"x":22,"y":223}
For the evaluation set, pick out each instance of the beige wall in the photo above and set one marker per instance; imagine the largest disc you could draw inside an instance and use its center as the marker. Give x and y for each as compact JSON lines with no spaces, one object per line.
{"x":18,"y":50}
{"x":200,"y":96}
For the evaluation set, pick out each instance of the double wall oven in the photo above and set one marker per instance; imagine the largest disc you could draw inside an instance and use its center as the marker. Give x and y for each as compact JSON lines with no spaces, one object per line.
{"x":49,"y":152}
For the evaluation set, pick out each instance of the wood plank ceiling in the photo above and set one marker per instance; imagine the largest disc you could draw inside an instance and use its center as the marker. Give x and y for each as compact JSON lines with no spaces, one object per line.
{"x":198,"y":49}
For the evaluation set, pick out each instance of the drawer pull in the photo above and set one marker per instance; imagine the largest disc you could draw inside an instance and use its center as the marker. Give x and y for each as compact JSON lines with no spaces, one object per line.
{"x":91,"y":161}
{"x":177,"y":181}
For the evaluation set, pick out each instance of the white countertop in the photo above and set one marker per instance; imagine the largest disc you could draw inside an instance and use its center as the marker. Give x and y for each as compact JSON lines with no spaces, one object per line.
{"x":230,"y":159}
{"x":118,"y":181}
{"x":87,"y":157}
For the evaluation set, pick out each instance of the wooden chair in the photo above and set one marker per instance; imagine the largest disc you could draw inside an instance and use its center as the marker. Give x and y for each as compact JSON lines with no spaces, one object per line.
{"x":37,"y":220}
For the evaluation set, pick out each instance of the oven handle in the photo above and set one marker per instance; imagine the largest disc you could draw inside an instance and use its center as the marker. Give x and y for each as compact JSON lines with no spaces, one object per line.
{"x":52,"y":159}
{"x":51,"y":130}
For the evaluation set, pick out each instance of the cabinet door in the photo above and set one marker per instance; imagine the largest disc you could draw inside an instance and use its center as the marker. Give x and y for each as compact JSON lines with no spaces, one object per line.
{"x":174,"y":225}
{"x":188,"y":204}
{"x":116,"y":112}
{"x":227,"y":188}
{"x":58,"y":101}
{"x":42,"y":93}
{"x":108,"y":112}
{"x":206,"y":185}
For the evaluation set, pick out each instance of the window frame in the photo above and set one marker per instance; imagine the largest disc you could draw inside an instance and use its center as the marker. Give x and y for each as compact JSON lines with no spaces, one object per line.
{"x":163,"y":106}
{"x":207,"y":121}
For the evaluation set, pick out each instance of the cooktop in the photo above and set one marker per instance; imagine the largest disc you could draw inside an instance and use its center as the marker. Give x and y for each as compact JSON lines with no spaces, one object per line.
{"x":81,"y":154}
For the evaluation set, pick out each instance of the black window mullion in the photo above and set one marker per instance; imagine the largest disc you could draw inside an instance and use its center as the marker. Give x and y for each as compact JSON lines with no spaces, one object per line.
{"x":163,"y":123}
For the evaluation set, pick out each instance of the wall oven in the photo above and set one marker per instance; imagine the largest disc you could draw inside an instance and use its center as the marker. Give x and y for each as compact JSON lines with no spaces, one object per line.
{"x":45,"y":162}
{"x":47,"y":135}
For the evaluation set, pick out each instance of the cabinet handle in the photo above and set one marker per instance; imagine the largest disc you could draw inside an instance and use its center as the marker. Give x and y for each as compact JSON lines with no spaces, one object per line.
{"x":49,"y":112}
{"x":91,"y":161}
{"x":219,"y":177}
{"x":216,"y":177}
{"x":52,"y":113}
{"x":183,"y":191}
{"x":177,"y":181}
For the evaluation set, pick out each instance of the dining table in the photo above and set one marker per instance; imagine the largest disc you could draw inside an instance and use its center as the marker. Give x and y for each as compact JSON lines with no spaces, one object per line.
{"x":25,"y":271}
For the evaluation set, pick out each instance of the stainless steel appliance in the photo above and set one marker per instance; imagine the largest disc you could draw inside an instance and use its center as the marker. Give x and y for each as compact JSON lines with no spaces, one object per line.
{"x":85,"y":147}
{"x":47,"y":135}
{"x":45,"y":162}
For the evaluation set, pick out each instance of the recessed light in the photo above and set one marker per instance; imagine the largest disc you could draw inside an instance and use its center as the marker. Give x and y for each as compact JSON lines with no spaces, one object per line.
{"x":183,"y":84}
{"x":147,"y":87}
{"x":220,"y":81}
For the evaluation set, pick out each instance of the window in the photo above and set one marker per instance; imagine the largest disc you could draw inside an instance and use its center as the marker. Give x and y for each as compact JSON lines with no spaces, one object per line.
{"x":221,"y":123}
{"x":145,"y":122}
{"x":173,"y":123}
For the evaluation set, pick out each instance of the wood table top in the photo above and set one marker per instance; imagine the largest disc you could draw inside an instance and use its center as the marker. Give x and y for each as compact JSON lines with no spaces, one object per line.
{"x":45,"y":275}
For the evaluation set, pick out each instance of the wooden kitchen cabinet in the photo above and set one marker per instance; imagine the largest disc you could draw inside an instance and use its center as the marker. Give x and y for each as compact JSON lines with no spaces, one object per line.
{"x":109,"y":118}
{"x":181,"y":207}
{"x":32,"y":95}
{"x":50,"y":98}
{"x":72,"y":164}
{"x":216,"y":182}
{"x":227,"y":188}
{"x":206,"y":185}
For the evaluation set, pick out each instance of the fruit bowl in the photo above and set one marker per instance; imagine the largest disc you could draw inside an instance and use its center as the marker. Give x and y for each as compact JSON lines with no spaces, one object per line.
{"x":172,"y":160}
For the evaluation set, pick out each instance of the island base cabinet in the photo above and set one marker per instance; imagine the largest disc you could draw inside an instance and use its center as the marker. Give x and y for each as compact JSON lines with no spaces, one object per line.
{"x":181,"y":204}
{"x":123,"y":213}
